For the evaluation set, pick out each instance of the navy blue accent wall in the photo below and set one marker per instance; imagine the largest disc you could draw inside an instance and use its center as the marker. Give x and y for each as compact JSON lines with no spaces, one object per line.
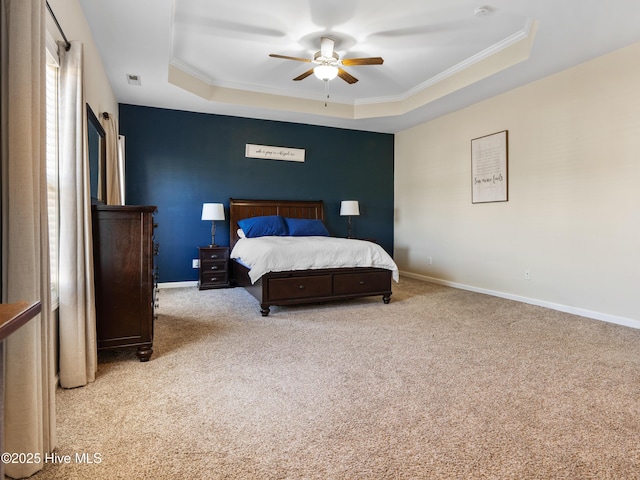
{"x":179,"y":160}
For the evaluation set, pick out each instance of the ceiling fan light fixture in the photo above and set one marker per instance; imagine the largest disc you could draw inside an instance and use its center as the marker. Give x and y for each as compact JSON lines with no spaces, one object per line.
{"x":326,"y":72}
{"x":328,"y":63}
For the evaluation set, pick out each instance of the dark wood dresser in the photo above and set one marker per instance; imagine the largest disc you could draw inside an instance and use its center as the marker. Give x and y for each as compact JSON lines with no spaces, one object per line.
{"x":125,"y":288}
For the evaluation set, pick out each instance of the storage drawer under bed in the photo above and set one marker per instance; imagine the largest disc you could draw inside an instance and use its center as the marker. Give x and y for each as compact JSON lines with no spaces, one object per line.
{"x":300,"y":287}
{"x":354,"y":283}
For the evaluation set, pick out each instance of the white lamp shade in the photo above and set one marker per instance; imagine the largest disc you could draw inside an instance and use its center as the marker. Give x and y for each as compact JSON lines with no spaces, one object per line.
{"x":326,"y":72}
{"x":349,"y":207}
{"x":212,"y":211}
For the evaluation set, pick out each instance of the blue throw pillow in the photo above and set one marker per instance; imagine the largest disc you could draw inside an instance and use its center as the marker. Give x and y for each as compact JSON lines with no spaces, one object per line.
{"x":263,"y":226}
{"x":305,"y":227}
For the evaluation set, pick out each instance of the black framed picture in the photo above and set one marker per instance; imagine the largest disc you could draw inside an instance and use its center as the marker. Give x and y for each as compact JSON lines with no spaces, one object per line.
{"x":489,"y":168}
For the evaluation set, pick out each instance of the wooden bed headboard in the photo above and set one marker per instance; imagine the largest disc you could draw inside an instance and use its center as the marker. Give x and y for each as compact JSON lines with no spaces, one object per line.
{"x":239,"y":209}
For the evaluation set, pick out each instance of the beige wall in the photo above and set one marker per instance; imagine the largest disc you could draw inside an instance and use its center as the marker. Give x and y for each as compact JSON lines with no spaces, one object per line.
{"x":573,"y":215}
{"x":98,"y":92}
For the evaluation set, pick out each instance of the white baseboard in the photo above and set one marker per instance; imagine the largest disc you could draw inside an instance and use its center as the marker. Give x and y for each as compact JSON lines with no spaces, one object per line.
{"x":605,"y":317}
{"x":177,"y":284}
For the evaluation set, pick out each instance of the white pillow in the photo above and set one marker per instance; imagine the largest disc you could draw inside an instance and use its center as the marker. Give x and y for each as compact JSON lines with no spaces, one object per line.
{"x":240,"y":233}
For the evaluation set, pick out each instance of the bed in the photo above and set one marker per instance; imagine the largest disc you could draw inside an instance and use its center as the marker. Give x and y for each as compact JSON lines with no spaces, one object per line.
{"x":306,"y":286}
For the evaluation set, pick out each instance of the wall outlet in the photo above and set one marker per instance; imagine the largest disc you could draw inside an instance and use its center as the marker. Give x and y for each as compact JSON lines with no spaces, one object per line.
{"x":195,"y":263}
{"x":527,"y":275}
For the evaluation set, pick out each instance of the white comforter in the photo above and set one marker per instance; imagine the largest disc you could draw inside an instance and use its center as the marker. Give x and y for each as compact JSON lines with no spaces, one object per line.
{"x":278,"y":254}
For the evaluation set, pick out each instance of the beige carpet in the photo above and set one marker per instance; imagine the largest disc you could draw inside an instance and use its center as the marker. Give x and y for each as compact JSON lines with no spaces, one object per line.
{"x":440,"y":383}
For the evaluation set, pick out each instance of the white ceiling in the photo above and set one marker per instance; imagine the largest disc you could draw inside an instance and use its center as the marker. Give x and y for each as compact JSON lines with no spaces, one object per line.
{"x":212,"y":56}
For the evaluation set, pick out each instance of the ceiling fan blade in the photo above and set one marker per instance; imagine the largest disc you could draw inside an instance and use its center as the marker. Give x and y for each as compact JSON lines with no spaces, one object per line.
{"x":304,"y":75}
{"x":326,"y":46}
{"x":286,"y":57}
{"x":346,"y":76}
{"x":362,"y":61}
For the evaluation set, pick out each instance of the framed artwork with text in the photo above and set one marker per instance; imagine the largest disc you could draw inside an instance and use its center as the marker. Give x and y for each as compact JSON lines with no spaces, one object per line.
{"x":489,"y":168}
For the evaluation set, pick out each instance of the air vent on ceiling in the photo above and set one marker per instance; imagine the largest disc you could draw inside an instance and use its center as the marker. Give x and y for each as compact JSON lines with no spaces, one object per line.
{"x":483,"y":10}
{"x":133,"y":79}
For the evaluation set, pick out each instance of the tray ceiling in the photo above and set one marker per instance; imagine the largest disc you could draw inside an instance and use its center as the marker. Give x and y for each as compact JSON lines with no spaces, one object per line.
{"x":213,"y":56}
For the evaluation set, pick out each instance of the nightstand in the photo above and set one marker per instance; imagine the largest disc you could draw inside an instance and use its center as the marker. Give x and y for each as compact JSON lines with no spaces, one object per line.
{"x":214,"y":267}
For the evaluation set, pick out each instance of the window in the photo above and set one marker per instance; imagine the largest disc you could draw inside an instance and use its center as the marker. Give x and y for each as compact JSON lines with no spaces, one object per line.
{"x":52,"y":167}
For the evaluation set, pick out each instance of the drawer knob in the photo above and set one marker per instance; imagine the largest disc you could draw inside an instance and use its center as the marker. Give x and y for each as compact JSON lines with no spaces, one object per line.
{"x":215,"y":267}
{"x":361,"y":282}
{"x":301,"y":287}
{"x":214,"y":255}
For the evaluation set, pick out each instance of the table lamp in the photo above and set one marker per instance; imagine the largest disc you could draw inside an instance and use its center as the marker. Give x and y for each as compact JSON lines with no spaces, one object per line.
{"x":213,"y":212}
{"x":349,"y":208}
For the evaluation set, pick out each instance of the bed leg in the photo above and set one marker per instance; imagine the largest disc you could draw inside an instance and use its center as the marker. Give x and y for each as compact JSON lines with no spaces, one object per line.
{"x":264,"y":310}
{"x":386,"y":298}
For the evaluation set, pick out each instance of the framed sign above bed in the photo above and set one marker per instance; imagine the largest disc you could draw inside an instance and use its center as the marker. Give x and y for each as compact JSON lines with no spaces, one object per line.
{"x":274,"y":153}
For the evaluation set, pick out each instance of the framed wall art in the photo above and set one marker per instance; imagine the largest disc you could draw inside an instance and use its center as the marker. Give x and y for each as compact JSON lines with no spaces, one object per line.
{"x":489,"y":168}
{"x":274,"y":153}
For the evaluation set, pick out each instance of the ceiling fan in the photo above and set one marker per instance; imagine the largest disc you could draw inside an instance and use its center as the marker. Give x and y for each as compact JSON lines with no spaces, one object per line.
{"x":328,"y":63}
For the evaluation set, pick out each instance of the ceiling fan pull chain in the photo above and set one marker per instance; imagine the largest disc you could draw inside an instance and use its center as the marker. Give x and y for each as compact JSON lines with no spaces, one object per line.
{"x":326,"y":90}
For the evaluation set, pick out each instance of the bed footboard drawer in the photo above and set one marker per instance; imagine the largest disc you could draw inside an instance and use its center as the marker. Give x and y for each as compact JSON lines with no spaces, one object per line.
{"x":353,"y":283}
{"x":300,"y":287}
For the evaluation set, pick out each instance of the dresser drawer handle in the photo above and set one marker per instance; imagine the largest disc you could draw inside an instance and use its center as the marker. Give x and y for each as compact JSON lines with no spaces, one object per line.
{"x":215,"y":267}
{"x":361,"y":282}
{"x":301,"y":287}
{"x":214,"y":255}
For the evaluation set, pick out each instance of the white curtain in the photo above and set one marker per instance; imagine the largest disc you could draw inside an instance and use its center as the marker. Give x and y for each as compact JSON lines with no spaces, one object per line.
{"x":78,"y":350}
{"x":114,"y":161}
{"x":30,"y":365}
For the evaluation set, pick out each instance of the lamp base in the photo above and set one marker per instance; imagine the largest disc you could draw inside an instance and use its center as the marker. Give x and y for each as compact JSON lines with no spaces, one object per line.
{"x":213,"y":234}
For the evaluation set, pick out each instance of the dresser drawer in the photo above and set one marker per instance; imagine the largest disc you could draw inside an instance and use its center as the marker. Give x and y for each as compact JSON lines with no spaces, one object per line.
{"x":301,"y":287}
{"x":351,"y":283}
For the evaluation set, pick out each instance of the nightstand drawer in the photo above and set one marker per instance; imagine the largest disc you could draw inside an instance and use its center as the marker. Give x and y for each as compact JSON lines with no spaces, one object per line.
{"x":214,"y":279}
{"x":208,"y":266}
{"x":214,"y":254}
